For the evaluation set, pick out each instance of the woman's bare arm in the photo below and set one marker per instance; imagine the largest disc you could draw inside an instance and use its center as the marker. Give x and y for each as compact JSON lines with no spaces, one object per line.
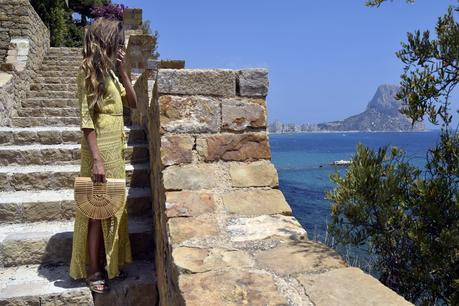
{"x":98,"y":169}
{"x":125,"y":80}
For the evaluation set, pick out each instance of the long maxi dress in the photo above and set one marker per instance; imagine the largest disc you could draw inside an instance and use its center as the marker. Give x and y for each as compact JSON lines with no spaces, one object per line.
{"x":108,"y":123}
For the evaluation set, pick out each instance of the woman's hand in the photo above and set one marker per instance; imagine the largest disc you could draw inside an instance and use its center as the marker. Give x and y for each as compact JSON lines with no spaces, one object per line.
{"x":98,"y":171}
{"x":121,"y":61}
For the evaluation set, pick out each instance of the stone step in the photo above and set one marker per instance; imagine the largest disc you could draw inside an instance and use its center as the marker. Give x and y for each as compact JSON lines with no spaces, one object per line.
{"x":68,"y":60}
{"x":58,"y":135}
{"x":59,"y":205}
{"x":70,"y":68}
{"x":58,"y":73}
{"x":38,"y":154}
{"x":51,"y":242}
{"x":51,"y":285}
{"x":45,"y":177}
{"x":48,"y":111}
{"x":24,"y":122}
{"x":55,"y":80}
{"x":44,"y":121}
{"x":64,"y":94}
{"x":64,"y":50}
{"x":54,"y":87}
{"x":50,"y":102}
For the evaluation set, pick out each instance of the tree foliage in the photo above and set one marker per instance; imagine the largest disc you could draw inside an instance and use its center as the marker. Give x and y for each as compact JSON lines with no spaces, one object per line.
{"x":66,"y":31}
{"x":146,"y":29}
{"x":409,"y":217}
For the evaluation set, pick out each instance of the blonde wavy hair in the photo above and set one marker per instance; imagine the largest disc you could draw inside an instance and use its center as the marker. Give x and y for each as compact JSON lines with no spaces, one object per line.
{"x":101,"y":41}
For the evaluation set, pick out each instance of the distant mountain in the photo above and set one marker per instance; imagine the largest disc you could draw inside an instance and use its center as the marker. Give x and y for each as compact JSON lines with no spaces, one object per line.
{"x":382,"y":114}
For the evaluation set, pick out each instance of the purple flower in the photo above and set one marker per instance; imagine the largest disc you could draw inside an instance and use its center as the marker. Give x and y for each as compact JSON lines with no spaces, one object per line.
{"x":110,"y":11}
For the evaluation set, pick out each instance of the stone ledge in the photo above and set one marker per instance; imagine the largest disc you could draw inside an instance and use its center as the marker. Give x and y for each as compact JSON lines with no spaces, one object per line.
{"x":231,"y":287}
{"x":348,"y":287}
{"x":212,"y":82}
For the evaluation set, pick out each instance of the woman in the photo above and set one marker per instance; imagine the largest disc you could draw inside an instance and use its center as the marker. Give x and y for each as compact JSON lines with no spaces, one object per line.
{"x":101,"y":96}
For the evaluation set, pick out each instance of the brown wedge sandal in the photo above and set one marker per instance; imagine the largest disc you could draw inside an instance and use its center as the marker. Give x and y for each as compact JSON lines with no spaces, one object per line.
{"x":98,"y":283}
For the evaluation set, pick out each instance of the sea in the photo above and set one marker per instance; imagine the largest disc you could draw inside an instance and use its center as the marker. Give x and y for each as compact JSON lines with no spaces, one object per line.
{"x":303,"y":162}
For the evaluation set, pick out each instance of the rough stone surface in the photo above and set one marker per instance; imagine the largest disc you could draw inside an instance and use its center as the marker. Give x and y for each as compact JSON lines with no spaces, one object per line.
{"x":211,"y":82}
{"x":189,"y":114}
{"x":303,"y":257}
{"x":51,"y":285}
{"x":172,"y":64}
{"x":238,"y":114}
{"x":256,"y":202}
{"x":264,"y":227}
{"x":24,"y":40}
{"x":348,"y":287}
{"x":257,"y":173}
{"x":189,"y":203}
{"x":176,"y":149}
{"x":230,"y":287}
{"x":202,"y":176}
{"x":253,"y":82}
{"x":237,"y":147}
{"x":185,"y":228}
{"x":197,"y":260}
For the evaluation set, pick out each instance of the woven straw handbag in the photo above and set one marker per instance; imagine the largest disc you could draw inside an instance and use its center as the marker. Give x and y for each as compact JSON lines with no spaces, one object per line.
{"x":99,"y":200}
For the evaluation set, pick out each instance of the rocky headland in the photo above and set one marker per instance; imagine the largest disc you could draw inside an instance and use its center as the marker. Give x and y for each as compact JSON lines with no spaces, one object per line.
{"x":382,"y":114}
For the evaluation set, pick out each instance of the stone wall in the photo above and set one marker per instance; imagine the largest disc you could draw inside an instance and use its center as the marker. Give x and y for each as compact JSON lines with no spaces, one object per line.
{"x":24,"y":40}
{"x":225,"y":234}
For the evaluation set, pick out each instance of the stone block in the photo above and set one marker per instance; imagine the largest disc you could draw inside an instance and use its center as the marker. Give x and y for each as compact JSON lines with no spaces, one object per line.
{"x":172,"y":64}
{"x":237,"y":147}
{"x":42,"y":211}
{"x":264,"y":227}
{"x":189,"y":203}
{"x":238,"y":114}
{"x":258,"y":173}
{"x":197,"y":260}
{"x":211,"y":82}
{"x":176,"y":149}
{"x":189,"y":114}
{"x":132,"y":18}
{"x":299,"y":257}
{"x":348,"y":287}
{"x":191,"y":177}
{"x":230,"y":287}
{"x":256,"y":202}
{"x":181,"y":229}
{"x":253,"y":82}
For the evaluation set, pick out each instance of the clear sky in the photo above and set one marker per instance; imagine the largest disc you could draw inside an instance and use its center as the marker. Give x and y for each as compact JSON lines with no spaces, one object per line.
{"x":325,"y":58}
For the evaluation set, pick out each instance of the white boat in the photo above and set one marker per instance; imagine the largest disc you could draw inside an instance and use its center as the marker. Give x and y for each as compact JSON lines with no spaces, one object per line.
{"x":341,"y":162}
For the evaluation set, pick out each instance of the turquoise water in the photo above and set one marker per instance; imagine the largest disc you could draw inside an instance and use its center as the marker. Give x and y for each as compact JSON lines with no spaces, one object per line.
{"x":298,"y":158}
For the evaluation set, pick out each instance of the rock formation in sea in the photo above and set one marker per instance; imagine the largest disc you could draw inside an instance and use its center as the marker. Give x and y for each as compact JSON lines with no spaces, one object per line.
{"x":382,"y":114}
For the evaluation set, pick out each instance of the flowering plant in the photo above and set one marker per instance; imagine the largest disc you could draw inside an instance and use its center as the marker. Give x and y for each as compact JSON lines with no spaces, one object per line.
{"x":110,"y":11}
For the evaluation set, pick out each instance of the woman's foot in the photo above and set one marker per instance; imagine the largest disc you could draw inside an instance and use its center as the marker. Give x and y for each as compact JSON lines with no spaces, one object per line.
{"x":97,"y":282}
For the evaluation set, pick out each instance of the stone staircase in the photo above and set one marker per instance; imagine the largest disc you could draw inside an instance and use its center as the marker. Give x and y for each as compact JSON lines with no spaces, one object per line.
{"x":39,"y":158}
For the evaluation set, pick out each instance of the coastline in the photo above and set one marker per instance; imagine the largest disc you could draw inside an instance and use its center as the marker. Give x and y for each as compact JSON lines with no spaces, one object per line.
{"x":351,"y":131}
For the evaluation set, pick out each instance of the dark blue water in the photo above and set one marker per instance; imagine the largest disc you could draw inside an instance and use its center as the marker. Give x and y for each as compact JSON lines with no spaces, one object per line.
{"x":298,"y":158}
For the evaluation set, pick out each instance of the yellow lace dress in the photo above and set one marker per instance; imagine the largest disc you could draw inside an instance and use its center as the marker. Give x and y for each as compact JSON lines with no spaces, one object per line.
{"x":108,"y":123}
